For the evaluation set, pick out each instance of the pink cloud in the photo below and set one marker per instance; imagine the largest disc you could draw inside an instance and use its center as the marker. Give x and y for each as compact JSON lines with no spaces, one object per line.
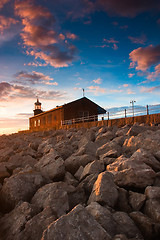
{"x":127,"y":8}
{"x":138,"y":40}
{"x":71,"y":36}
{"x":6,"y":22}
{"x":3,"y":2}
{"x":98,"y":81}
{"x":125,"y":85}
{"x":143,"y":58}
{"x":112,"y":41}
{"x":149,"y":90}
{"x":130,"y":75}
{"x":40,"y":37}
{"x":153,"y":75}
{"x":96,"y":90}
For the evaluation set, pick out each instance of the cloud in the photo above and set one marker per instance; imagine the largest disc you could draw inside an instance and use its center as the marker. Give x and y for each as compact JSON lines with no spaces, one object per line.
{"x":96,"y":90}
{"x":10,"y":92}
{"x":149,"y":90}
{"x":112,"y":41}
{"x":71,"y":36}
{"x":3,"y":2}
{"x":125,"y":85}
{"x":40,"y":35}
{"x":130,"y":75}
{"x":127,"y":8}
{"x":129,"y":91}
{"x":138,"y":40}
{"x":143,"y":58}
{"x":153,"y":75}
{"x":33,"y":78}
{"x":6,"y":22}
{"x":98,"y":81}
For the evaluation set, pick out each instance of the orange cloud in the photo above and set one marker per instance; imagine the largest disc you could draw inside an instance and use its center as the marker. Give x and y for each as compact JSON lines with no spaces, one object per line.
{"x":40,"y":37}
{"x":98,"y":81}
{"x":127,"y":8}
{"x":6,"y":22}
{"x":71,"y":36}
{"x":96,"y":90}
{"x":143,"y":58}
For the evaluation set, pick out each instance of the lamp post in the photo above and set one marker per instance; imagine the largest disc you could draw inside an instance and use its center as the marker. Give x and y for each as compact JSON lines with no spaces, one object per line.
{"x":132,"y":102}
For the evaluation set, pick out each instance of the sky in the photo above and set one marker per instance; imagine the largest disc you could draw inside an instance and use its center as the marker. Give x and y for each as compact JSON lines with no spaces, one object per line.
{"x":54,"y":49}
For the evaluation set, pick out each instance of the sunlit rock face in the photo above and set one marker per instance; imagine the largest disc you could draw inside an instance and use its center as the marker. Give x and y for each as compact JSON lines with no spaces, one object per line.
{"x":98,"y":183}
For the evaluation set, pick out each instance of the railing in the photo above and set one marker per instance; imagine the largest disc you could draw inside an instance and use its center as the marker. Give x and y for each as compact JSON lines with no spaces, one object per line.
{"x":122,"y":113}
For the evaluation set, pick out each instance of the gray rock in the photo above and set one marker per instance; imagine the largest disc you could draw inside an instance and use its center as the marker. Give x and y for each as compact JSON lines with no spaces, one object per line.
{"x":104,"y":190}
{"x":88,"y":183}
{"x":152,"y":209}
{"x":70,"y":179}
{"x":149,"y":229}
{"x":21,"y":186}
{"x":35,"y":226}
{"x":73,"y":163}
{"x":92,"y":168}
{"x":136,"y":200}
{"x":5,"y":154}
{"x":13,"y":222}
{"x":103,"y":138}
{"x":79,"y":173}
{"x":53,"y":195}
{"x":125,"y":225}
{"x":77,"y":224}
{"x":152,"y":192}
{"x":51,"y":165}
{"x":103,"y":216}
{"x":4,"y":173}
{"x":122,"y":203}
{"x":107,"y":147}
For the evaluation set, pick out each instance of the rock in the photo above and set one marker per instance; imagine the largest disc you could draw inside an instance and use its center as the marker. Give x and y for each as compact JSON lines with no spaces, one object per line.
{"x":77,"y":196}
{"x":13,"y":222}
{"x":136,"y":200}
{"x":102,"y":139}
{"x":53,"y":195}
{"x":103,"y":216}
{"x":152,"y":192}
{"x":122,"y":131}
{"x":122,"y":203}
{"x":157,"y":180}
{"x":149,"y":229}
{"x":107,"y":147}
{"x":129,"y":173}
{"x":35,"y":226}
{"x":4,"y":173}
{"x":20,"y":187}
{"x":152,"y":209}
{"x":70,"y":179}
{"x":125,"y":225}
{"x":146,"y":157}
{"x":112,"y":154}
{"x":135,"y":130}
{"x":106,"y":160}
{"x":101,"y":130}
{"x":120,"y":237}
{"x":5,"y":154}
{"x":92,"y":168}
{"x":79,"y":173}
{"x":88,"y":183}
{"x":17,"y":160}
{"x":89,"y":148}
{"x":46,"y":146}
{"x":28,"y":151}
{"x":64,"y":149}
{"x":73,"y":163}
{"x":77,"y":224}
{"x":104,"y":190}
{"x":51,"y":165}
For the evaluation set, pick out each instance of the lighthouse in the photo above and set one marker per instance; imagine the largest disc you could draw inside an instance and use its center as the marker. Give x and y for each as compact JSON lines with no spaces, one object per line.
{"x":37,"y":108}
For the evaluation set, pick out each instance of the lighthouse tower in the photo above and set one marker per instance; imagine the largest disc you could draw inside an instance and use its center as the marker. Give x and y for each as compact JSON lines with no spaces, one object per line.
{"x":37,"y":108}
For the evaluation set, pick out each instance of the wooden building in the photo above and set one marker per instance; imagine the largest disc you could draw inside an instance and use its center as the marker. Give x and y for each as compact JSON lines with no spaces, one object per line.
{"x":79,"y":110}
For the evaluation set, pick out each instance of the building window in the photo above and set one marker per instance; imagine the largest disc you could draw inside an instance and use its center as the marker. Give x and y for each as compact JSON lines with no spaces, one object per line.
{"x":55,"y":118}
{"x":49,"y":118}
{"x":35,"y":123}
{"x":84,"y":114}
{"x":39,"y":122}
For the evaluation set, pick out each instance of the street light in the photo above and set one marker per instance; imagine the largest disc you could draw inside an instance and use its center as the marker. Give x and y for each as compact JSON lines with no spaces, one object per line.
{"x":132,"y":102}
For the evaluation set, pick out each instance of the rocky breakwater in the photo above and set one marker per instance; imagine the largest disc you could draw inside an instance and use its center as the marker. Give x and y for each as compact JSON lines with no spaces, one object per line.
{"x":101,"y":183}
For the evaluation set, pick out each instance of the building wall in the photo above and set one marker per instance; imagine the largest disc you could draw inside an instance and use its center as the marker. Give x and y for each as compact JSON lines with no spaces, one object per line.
{"x":79,"y":109}
{"x":48,"y":120}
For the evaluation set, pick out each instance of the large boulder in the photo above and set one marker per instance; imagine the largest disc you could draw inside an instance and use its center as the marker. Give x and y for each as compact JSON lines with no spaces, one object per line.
{"x":152,"y":192}
{"x":51,"y":165}
{"x":136,"y":200}
{"x":20,"y":187}
{"x":35,"y":226}
{"x":104,"y":190}
{"x":152,"y":209}
{"x":149,"y":229}
{"x":103,"y":216}
{"x":4,"y":173}
{"x":103,"y":138}
{"x":77,"y":224}
{"x":92,"y":168}
{"x":73,"y":163}
{"x":13,"y":222}
{"x":53,"y":195}
{"x":107,"y":147}
{"x":5,"y":154}
{"x":129,"y":173}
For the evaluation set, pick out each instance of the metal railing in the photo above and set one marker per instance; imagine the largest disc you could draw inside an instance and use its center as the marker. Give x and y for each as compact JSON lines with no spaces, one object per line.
{"x":122,"y":113}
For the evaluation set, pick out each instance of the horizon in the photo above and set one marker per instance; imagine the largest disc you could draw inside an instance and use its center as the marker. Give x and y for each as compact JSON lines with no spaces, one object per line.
{"x":53,"y":50}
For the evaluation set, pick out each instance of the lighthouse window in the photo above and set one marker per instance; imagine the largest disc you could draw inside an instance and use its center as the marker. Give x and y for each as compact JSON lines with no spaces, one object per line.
{"x":39,"y":122}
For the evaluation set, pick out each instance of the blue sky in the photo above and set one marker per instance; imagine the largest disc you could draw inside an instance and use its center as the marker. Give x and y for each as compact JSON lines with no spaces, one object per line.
{"x":53,"y":49}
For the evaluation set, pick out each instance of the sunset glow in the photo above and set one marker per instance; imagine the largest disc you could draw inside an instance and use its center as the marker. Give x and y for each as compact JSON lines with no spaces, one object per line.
{"x":54,"y":49}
